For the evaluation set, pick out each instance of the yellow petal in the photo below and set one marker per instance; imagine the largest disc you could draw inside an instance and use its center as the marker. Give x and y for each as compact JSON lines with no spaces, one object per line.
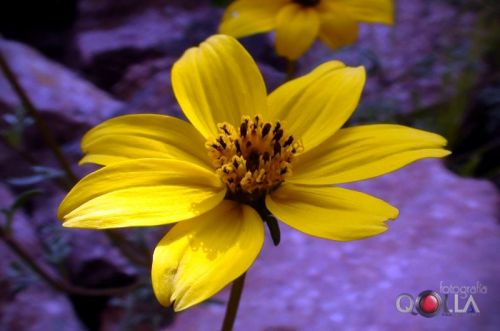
{"x":296,"y":29}
{"x":218,"y":82}
{"x":198,"y":257}
{"x":365,"y":151}
{"x":338,"y":31}
{"x":370,"y":11}
{"x":247,"y":17}
{"x":141,"y":192}
{"x":144,"y":136}
{"x":315,"y":106}
{"x":330,"y":212}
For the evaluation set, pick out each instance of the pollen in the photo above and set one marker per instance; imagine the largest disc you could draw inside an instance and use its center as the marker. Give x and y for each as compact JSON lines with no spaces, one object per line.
{"x":254,"y":158}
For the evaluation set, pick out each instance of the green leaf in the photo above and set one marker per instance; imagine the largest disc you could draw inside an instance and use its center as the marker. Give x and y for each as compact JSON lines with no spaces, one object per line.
{"x":23,"y":198}
{"x":40,"y":175}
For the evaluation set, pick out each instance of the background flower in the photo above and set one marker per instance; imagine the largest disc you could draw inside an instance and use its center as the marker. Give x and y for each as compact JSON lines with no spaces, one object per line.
{"x":299,"y":22}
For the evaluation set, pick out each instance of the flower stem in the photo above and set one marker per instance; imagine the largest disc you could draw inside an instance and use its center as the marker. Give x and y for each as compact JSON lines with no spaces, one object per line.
{"x":291,"y":68}
{"x":234,"y":301}
{"x":39,"y":121}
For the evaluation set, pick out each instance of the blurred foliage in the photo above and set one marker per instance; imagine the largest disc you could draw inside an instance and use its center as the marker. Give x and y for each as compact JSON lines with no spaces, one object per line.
{"x":19,"y":277}
{"x":16,"y":122}
{"x":477,"y":144}
{"x":17,"y":204}
{"x":40,"y":175}
{"x":475,"y":140}
{"x":56,"y":247}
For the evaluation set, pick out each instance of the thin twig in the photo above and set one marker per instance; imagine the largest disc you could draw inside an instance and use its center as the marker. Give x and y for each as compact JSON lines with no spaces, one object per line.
{"x":124,"y":247}
{"x":59,"y":284}
{"x":39,"y":121}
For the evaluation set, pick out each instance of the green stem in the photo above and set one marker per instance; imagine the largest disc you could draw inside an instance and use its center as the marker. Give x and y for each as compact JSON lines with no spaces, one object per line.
{"x":39,"y":121}
{"x":291,"y":68}
{"x":59,"y":284}
{"x":232,"y":305}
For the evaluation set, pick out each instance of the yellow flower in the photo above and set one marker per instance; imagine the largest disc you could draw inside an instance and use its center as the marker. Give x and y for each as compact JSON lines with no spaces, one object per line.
{"x":246,"y":155}
{"x":299,"y":22}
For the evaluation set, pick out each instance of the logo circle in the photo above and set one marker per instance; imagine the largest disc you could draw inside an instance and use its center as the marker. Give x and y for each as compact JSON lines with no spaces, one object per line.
{"x":428,"y":303}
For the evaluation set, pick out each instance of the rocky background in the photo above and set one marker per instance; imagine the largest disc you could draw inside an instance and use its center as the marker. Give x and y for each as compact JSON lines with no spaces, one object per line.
{"x":84,"y":61}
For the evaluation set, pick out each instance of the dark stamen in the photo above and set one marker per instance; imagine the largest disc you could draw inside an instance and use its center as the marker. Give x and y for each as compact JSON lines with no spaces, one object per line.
{"x":222,"y":143}
{"x":266,"y":129}
{"x":277,"y":127}
{"x":225,"y":130}
{"x":235,"y":164}
{"x":278,"y":135}
{"x":253,"y":161}
{"x":283,"y":171}
{"x":277,"y":148}
{"x":238,"y":148}
{"x":244,"y":128}
{"x":288,"y":142}
{"x":266,"y":156}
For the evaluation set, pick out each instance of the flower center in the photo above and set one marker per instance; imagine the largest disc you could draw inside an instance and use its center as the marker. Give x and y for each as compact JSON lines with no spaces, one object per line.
{"x":307,"y":3}
{"x":253,"y":159}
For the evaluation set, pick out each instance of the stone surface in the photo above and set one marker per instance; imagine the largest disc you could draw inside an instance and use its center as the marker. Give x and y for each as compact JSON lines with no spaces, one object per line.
{"x":39,"y":309}
{"x":147,"y":88}
{"x":93,"y":9}
{"x":69,"y":104}
{"x":107,"y":47}
{"x":54,"y":90}
{"x":448,"y":231}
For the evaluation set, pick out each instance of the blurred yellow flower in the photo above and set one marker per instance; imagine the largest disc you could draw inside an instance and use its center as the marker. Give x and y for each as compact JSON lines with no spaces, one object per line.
{"x":299,"y":22}
{"x":244,"y":156}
